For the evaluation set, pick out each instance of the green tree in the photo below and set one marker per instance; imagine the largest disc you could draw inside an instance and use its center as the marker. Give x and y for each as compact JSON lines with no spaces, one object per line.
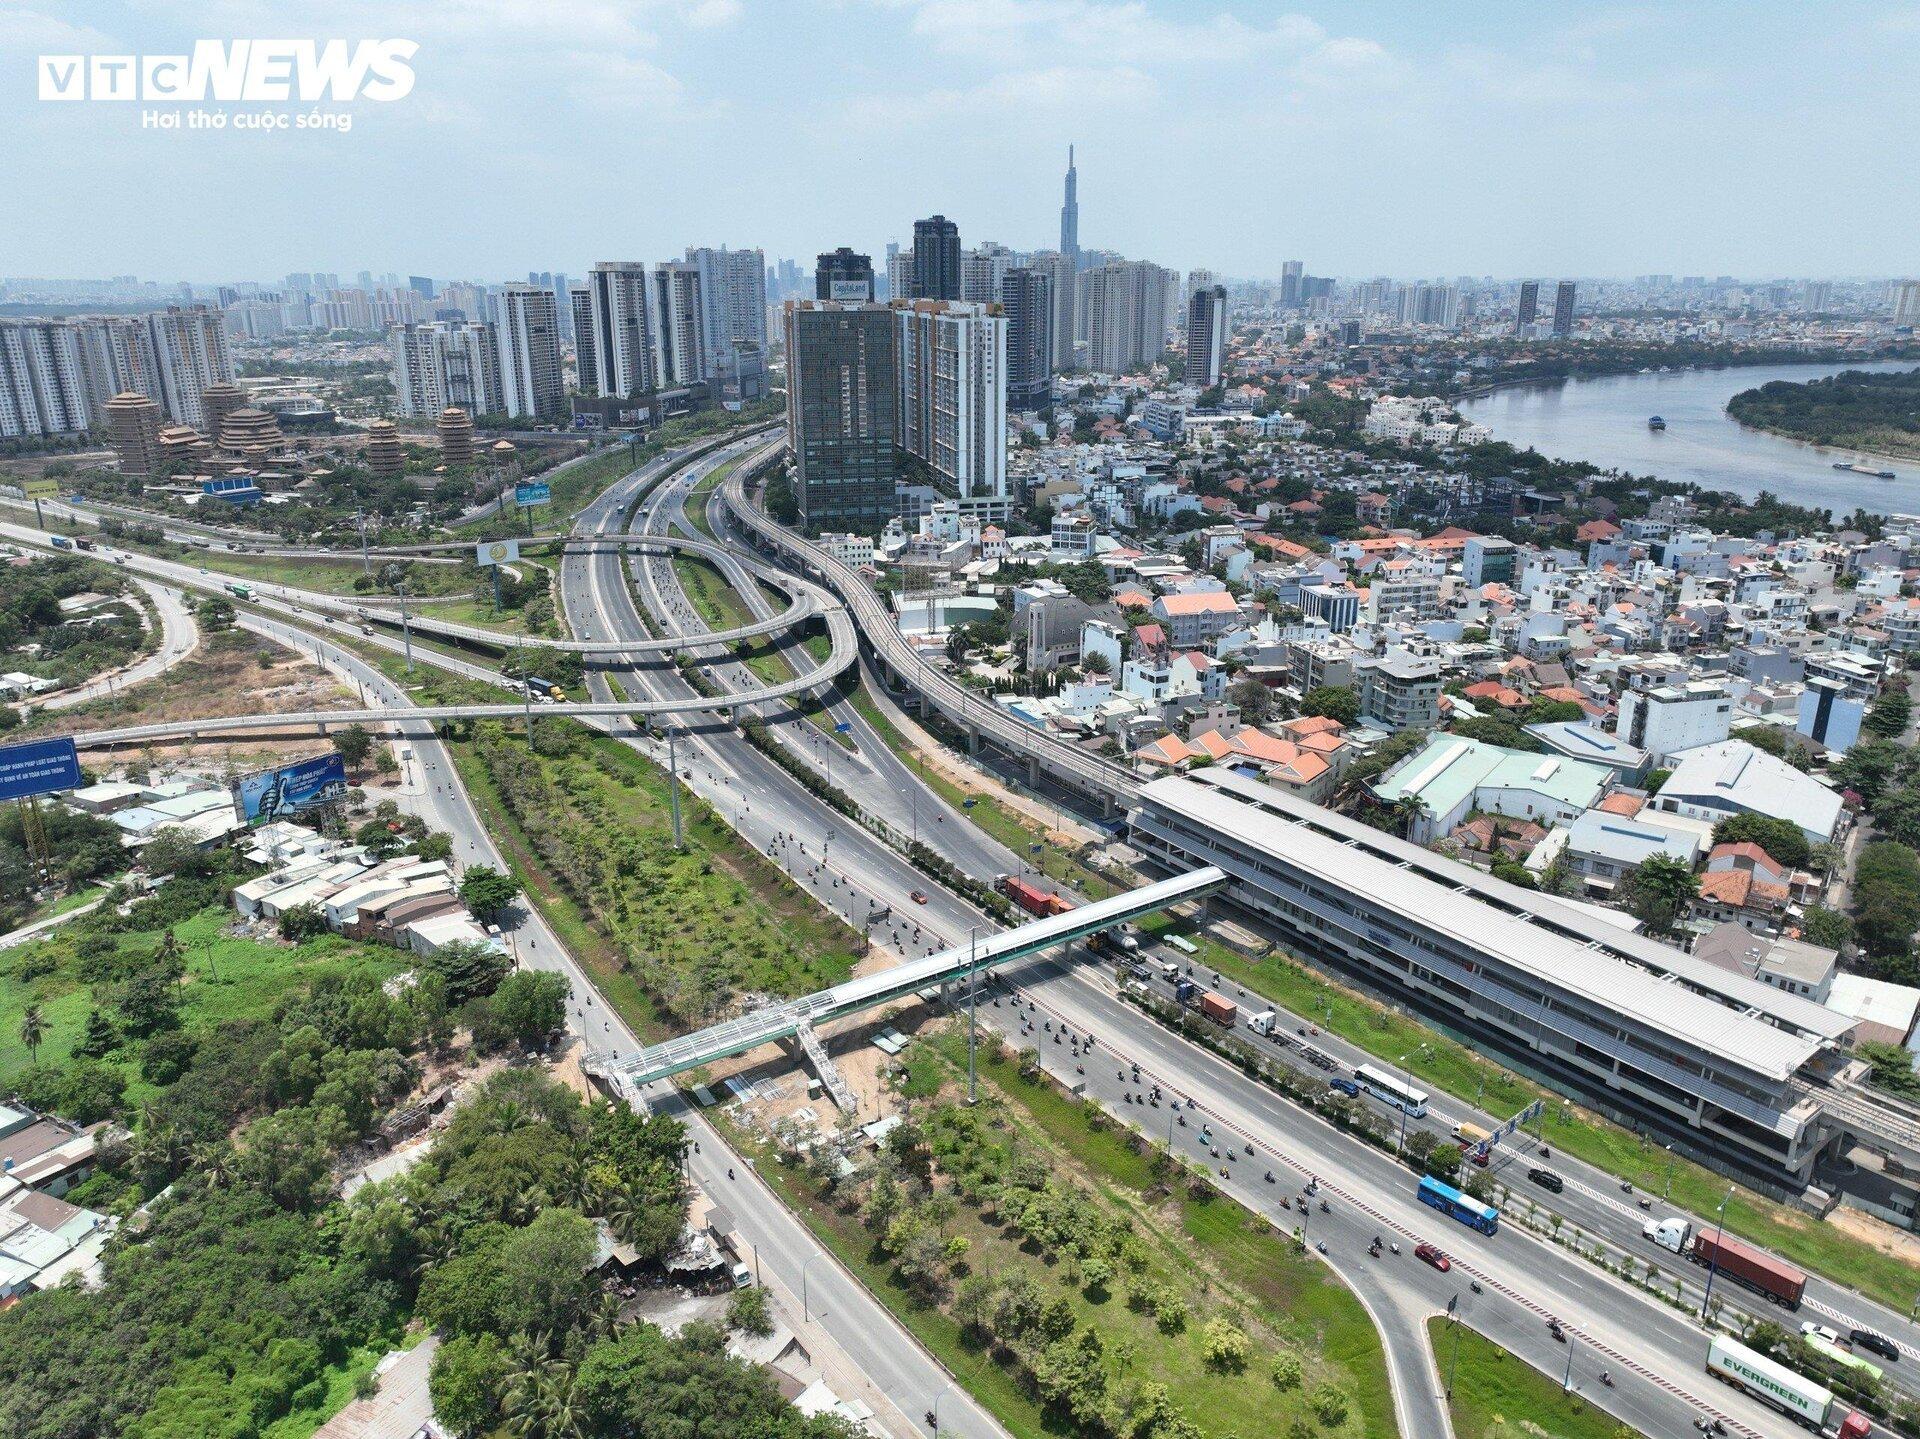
{"x":1889,"y":715}
{"x":470,"y":970}
{"x":302,"y":921}
{"x":543,"y":1269}
{"x":215,"y":614}
{"x":353,"y":744}
{"x":1781,"y":838}
{"x":1658,"y":890}
{"x":1891,"y":1067}
{"x":1828,"y":927}
{"x":1254,"y":700}
{"x":468,"y":1375}
{"x":486,"y":891}
{"x":173,"y":851}
{"x":33,"y":1029}
{"x":747,"y":1311}
{"x":98,"y":1038}
{"x":1224,"y":1346}
{"x":527,"y":1009}
{"x":1336,"y":702}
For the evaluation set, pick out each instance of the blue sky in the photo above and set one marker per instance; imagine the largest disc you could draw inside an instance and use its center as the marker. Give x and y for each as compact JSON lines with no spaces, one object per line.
{"x":1409,"y":138}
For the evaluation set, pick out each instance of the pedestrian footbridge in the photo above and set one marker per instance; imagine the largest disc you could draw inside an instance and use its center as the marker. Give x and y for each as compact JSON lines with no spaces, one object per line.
{"x":782,"y":1021}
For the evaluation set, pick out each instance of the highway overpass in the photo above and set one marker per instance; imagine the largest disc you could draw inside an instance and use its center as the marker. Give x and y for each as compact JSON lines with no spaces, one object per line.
{"x":982,"y":721}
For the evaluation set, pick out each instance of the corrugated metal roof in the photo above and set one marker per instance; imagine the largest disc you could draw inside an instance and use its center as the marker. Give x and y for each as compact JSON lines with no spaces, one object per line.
{"x":1606,"y":967}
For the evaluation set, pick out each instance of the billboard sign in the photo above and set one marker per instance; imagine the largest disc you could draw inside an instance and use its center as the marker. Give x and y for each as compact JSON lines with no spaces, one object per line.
{"x":39,"y":488}
{"x":496,"y":552}
{"x":41,"y":766}
{"x":849,"y":291}
{"x":274,"y":793}
{"x":528,"y":495}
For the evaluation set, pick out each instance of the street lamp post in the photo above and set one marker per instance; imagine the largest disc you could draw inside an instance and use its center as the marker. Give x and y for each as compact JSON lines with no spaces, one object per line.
{"x":1713,"y":1269}
{"x":1566,"y":1379}
{"x":973,"y":1000}
{"x":1453,"y":1359}
{"x":806,"y":1315}
{"x":1401,"y":1065}
{"x":1669,"y":1193}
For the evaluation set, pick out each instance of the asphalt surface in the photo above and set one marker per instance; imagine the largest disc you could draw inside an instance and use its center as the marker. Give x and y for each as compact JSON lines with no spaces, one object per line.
{"x":1653,"y":1353}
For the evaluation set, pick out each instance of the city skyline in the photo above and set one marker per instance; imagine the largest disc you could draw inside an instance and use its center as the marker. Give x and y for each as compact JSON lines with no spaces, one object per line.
{"x":1560,"y":134}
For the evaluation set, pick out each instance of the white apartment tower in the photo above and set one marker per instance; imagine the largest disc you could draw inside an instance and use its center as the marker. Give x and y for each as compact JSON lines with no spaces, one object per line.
{"x":526,"y":321}
{"x":677,"y":338}
{"x":1128,"y":307}
{"x":53,"y":381}
{"x":448,"y":363}
{"x":953,"y":392}
{"x":733,"y":302}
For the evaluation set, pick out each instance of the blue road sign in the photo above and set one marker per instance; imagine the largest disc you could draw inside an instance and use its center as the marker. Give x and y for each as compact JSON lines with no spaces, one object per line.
{"x":41,"y":766}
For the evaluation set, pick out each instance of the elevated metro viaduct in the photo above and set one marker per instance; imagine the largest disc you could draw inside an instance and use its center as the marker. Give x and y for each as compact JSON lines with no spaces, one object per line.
{"x":796,"y":1017}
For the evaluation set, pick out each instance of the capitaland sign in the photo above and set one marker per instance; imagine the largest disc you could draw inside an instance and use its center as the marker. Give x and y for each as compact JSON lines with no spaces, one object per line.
{"x":262,"y":72}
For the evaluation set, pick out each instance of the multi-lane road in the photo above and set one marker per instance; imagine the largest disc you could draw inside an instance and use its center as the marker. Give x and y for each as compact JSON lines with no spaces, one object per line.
{"x":1654,"y":1354}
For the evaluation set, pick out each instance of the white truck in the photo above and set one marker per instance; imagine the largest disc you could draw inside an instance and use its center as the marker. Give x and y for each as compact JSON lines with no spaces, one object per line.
{"x":1263,"y":1022}
{"x":1671,"y":1233}
{"x":1794,"y":1395}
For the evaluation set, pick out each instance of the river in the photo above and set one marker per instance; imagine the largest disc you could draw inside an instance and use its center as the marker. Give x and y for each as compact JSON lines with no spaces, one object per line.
{"x":1605,"y":423}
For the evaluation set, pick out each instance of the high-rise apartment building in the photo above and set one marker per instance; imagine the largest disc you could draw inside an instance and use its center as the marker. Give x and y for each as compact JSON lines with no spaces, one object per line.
{"x":1062,"y":295}
{"x":446,"y":363}
{"x":1563,"y":309}
{"x":1206,"y":335}
{"x":526,"y":320}
{"x":953,"y":392}
{"x":936,"y":259}
{"x":1027,"y":296}
{"x":1291,"y":273}
{"x":1127,"y":307}
{"x":844,"y":276}
{"x":1070,"y":212}
{"x":617,"y":347}
{"x":899,"y":273}
{"x":733,"y":302}
{"x":190,"y":353}
{"x":842,"y":420}
{"x":1529,"y":304}
{"x":586,"y":362}
{"x":678,"y":337}
{"x":982,"y":270}
{"x":1906,"y":303}
{"x":52,"y":382}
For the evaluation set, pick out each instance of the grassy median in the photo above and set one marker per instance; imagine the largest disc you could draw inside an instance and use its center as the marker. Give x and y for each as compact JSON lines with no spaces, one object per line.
{"x":1498,"y":1396}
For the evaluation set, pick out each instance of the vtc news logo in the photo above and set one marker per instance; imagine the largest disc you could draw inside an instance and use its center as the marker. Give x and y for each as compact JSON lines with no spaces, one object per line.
{"x":238,"y":71}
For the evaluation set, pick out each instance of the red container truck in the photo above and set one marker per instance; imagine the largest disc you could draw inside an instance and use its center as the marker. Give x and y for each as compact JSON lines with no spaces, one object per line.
{"x":1220,"y":1011}
{"x":1779,"y":1281}
{"x":1030,"y":897}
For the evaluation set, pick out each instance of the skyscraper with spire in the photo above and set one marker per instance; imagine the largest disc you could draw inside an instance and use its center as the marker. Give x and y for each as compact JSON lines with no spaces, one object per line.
{"x":1070,"y":213}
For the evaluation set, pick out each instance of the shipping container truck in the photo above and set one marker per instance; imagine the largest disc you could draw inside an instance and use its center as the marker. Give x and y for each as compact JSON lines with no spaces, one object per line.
{"x":1671,"y":1233}
{"x":60,"y":542}
{"x":1263,"y":1022}
{"x":1794,"y":1395}
{"x":1220,"y":1011}
{"x":1183,"y":990}
{"x":1738,"y":1260}
{"x":1029,"y":897}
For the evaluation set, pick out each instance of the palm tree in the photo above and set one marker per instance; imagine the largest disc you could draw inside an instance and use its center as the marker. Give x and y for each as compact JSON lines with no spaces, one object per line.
{"x":33,"y":1029}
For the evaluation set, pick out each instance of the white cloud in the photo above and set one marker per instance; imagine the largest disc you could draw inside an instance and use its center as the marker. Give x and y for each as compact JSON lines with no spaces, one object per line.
{"x":709,"y":14}
{"x":1016,"y":97}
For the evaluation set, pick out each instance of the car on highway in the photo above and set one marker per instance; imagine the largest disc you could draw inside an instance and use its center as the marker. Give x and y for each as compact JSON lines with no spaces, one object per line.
{"x":1814,"y":1330}
{"x":1547,"y":1180}
{"x":919,"y":896}
{"x":1431,"y":1254}
{"x":1345,"y":1086}
{"x":1878,"y":1343}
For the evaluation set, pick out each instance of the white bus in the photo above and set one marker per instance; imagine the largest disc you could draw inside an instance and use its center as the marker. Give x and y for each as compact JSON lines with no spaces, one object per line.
{"x":1388,"y":1090}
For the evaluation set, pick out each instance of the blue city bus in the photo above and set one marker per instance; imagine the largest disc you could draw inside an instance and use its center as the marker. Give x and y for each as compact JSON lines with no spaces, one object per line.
{"x":1463,"y":1207}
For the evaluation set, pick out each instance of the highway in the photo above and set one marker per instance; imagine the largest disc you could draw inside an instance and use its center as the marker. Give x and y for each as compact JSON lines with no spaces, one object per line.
{"x":1523,"y":1278}
{"x":851,"y":870}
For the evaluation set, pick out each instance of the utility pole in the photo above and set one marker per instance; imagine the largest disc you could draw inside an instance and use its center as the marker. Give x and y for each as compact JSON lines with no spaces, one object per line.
{"x":673,"y":782}
{"x":406,"y":626}
{"x":1453,"y":1360}
{"x":366,"y":561}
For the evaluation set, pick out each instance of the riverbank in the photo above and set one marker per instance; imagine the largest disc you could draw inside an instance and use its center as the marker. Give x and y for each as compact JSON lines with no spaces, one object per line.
{"x":1603,"y":422}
